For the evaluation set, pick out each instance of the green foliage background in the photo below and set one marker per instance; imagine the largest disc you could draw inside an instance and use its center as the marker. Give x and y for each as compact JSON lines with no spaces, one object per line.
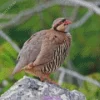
{"x":85,"y":49}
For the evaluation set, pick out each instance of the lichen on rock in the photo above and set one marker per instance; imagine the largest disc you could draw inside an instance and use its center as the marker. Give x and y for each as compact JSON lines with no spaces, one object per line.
{"x":32,"y":89}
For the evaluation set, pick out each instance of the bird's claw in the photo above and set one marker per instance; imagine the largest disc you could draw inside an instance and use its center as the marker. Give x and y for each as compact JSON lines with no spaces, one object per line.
{"x":47,"y":79}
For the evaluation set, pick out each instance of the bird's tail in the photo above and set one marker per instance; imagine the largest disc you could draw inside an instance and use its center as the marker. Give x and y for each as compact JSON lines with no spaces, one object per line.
{"x":17,"y":69}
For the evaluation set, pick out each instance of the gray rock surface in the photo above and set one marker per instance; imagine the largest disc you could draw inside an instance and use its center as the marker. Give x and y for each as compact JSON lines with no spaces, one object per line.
{"x":32,"y":89}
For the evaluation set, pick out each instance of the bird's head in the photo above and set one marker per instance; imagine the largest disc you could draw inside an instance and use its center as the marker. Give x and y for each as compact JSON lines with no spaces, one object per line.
{"x":61,"y":24}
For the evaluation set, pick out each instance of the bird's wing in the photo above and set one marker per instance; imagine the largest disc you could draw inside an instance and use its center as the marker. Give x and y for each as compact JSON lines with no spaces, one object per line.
{"x":49,"y":45}
{"x":30,"y":50}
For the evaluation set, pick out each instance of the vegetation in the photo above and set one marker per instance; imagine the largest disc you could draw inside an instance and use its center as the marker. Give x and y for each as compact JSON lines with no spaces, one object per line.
{"x":84,"y":52}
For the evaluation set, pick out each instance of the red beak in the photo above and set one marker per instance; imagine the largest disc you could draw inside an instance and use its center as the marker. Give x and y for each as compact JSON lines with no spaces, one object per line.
{"x":67,"y":22}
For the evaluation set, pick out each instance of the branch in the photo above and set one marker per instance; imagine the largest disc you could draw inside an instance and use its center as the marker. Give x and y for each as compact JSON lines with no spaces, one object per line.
{"x":7,"y":16}
{"x":8,"y":3}
{"x":88,"y":5}
{"x":8,"y":39}
{"x":77,"y":75}
{"x":61,"y":77}
{"x":74,"y":13}
{"x":82,"y":20}
{"x":25,"y":15}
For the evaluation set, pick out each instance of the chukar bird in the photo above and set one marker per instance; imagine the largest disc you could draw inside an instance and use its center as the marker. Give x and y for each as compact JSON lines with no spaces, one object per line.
{"x":45,"y":51}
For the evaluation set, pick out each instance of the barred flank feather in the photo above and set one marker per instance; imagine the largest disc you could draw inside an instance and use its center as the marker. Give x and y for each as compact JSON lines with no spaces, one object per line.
{"x":59,"y":55}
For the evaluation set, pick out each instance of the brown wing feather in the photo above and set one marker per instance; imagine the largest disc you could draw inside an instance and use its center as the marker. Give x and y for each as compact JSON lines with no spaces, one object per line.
{"x":49,"y":45}
{"x":30,"y":50}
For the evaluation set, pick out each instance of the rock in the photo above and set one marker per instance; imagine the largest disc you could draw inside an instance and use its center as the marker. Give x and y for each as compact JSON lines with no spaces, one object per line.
{"x":32,"y":89}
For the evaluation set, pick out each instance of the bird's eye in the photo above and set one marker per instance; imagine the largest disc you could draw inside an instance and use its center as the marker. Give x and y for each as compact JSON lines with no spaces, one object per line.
{"x":63,"y":20}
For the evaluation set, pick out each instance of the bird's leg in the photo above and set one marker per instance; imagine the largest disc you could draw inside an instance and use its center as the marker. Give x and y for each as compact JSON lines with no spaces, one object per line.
{"x":42,"y":79}
{"x":49,"y":79}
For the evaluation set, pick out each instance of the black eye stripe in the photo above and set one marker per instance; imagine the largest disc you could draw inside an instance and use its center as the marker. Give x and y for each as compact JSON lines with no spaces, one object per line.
{"x":59,"y":23}
{"x":63,"y":20}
